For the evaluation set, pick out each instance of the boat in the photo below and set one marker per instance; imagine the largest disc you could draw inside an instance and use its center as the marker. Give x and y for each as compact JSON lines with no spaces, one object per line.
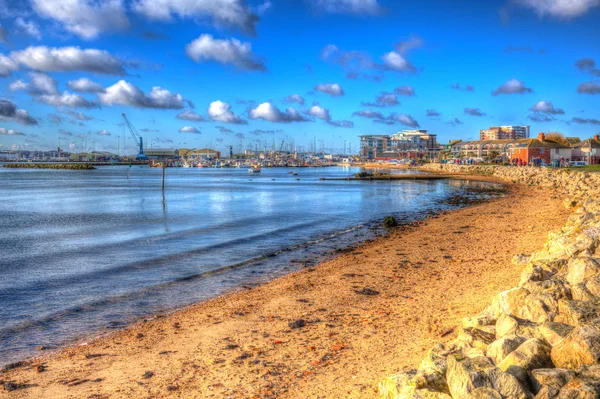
{"x":254,"y":169}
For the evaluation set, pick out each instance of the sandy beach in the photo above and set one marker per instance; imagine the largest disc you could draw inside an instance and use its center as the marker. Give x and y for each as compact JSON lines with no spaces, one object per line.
{"x":330,"y":331}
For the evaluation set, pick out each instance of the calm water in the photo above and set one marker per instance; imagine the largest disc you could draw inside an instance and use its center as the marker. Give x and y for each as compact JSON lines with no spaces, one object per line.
{"x":83,"y":250}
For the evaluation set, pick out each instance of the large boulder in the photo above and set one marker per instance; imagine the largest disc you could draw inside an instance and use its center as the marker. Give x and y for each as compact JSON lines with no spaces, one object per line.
{"x":581,"y":269}
{"x":506,"y":325}
{"x":484,"y":393}
{"x":581,"y":347}
{"x":553,"y":332}
{"x":508,"y":302}
{"x":530,"y":355}
{"x":417,"y":384}
{"x":555,"y":378}
{"x":500,"y":348}
{"x":435,"y":359}
{"x":576,"y":312}
{"x":580,"y":388}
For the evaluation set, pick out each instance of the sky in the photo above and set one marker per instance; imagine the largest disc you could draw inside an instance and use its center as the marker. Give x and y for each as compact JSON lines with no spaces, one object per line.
{"x":214,"y":73}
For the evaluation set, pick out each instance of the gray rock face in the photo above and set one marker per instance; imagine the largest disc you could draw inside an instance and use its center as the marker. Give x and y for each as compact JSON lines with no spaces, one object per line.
{"x":500,"y":348}
{"x":555,"y":378}
{"x":581,"y":269}
{"x":532,"y":354}
{"x":553,"y":332}
{"x":576,"y":312}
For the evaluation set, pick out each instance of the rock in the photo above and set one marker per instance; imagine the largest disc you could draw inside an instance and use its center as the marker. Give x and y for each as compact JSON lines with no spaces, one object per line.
{"x":532,"y":354}
{"x":580,"y":388}
{"x":506,"y":325}
{"x":580,"y":269}
{"x":520,"y":259}
{"x":435,"y":359}
{"x":581,"y":347}
{"x":547,"y":392}
{"x":415,"y":384}
{"x":484,"y":335}
{"x":576,"y":312}
{"x":299,"y":323}
{"x":508,"y":302}
{"x":555,"y":378}
{"x":553,"y":332}
{"x":484,"y":393}
{"x":464,"y":375}
{"x":506,"y":384}
{"x":500,"y":348}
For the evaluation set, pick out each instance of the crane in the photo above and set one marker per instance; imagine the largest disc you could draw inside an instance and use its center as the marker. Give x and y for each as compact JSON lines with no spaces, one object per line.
{"x":141,"y":156}
{"x":281,"y":146}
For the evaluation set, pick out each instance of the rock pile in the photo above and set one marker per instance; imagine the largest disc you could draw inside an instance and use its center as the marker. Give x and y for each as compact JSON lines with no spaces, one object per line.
{"x":540,"y":339}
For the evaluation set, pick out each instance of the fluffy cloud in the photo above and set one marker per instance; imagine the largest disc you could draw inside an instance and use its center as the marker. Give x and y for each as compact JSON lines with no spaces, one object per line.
{"x":383,"y":100}
{"x":7,"y":66}
{"x":432,"y":113}
{"x":559,"y":8}
{"x":85,"y":85}
{"x":67,"y":59}
{"x":369,"y":114}
{"x":546,"y":107}
{"x":586,"y":121}
{"x":125,"y":93}
{"x":220,"y":111}
{"x":359,"y":7}
{"x":233,"y":51}
{"x":271,"y":113}
{"x":44,"y":90}
{"x":189,"y":115}
{"x":322,"y":113}
{"x":474,"y":112}
{"x":294,"y":98}
{"x":10,"y":113}
{"x":589,"y":88}
{"x":28,"y":27}
{"x":222,"y":12}
{"x":332,"y":89}
{"x":405,"y":91}
{"x":10,"y":132}
{"x":103,"y":133}
{"x":459,"y":87}
{"x":539,"y":117}
{"x":587,"y":65}
{"x":396,"y":61}
{"x":189,"y":129}
{"x":18,"y":85}
{"x":66,"y":99}
{"x":512,"y":86}
{"x":80,"y":116}
{"x":391,"y":119}
{"x":84,"y":18}
{"x":223,"y":129}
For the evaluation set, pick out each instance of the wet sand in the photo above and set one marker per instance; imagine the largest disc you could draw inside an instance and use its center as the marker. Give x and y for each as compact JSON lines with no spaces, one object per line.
{"x":372,"y":311}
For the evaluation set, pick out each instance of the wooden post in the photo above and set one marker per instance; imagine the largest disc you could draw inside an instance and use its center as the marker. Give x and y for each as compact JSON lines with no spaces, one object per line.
{"x":163,"y":176}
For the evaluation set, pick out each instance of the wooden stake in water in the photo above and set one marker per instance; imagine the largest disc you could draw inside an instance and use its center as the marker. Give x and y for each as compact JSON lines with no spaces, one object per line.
{"x":163,"y":176}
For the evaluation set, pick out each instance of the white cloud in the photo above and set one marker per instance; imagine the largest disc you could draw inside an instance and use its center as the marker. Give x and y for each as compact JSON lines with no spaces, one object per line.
{"x":368,"y":113}
{"x":359,"y":7}
{"x":559,"y":8}
{"x":7,"y":65}
{"x":103,"y":133}
{"x":220,"y":111}
{"x":189,"y":115}
{"x":271,"y":113}
{"x":322,"y":113}
{"x":222,"y":12}
{"x":85,"y":85}
{"x":405,"y":91}
{"x":66,"y":99}
{"x":404,"y":119}
{"x":383,"y":100}
{"x":332,"y":89}
{"x":28,"y":27}
{"x":84,"y":18}
{"x":474,"y":112}
{"x":546,"y":107}
{"x":392,"y":119}
{"x":412,"y":43}
{"x":189,"y":129}
{"x":294,"y":98}
{"x":41,"y":84}
{"x":80,"y":116}
{"x":10,"y":132}
{"x":512,"y":86}
{"x":125,"y":93}
{"x":10,"y":113}
{"x":67,"y":59}
{"x":18,"y":85}
{"x":232,"y":51}
{"x":395,"y":61}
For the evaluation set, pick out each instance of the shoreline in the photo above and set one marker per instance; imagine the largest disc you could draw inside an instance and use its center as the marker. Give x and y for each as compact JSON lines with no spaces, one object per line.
{"x":197,"y":320}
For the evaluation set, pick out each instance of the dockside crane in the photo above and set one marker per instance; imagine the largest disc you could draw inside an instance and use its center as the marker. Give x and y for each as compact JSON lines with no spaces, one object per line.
{"x":140,"y":156}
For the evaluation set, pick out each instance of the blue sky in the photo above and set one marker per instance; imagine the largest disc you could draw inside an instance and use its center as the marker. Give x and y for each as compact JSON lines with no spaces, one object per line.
{"x":198,"y":73}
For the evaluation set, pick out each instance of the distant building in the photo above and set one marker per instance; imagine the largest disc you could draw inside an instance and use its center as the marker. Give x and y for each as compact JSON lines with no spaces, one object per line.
{"x":504,"y":133}
{"x":161,"y":154}
{"x":548,"y":150}
{"x":587,"y":150}
{"x":401,"y":145}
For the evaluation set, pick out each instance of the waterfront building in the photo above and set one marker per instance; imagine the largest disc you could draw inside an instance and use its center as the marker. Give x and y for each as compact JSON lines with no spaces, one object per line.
{"x":587,"y":150}
{"x":494,"y":150}
{"x":401,"y":145}
{"x":548,"y":150}
{"x":161,"y":154}
{"x":504,"y":133}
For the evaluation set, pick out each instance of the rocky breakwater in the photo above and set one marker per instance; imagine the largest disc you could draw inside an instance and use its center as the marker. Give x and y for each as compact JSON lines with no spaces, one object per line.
{"x":540,"y":339}
{"x":32,"y":165}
